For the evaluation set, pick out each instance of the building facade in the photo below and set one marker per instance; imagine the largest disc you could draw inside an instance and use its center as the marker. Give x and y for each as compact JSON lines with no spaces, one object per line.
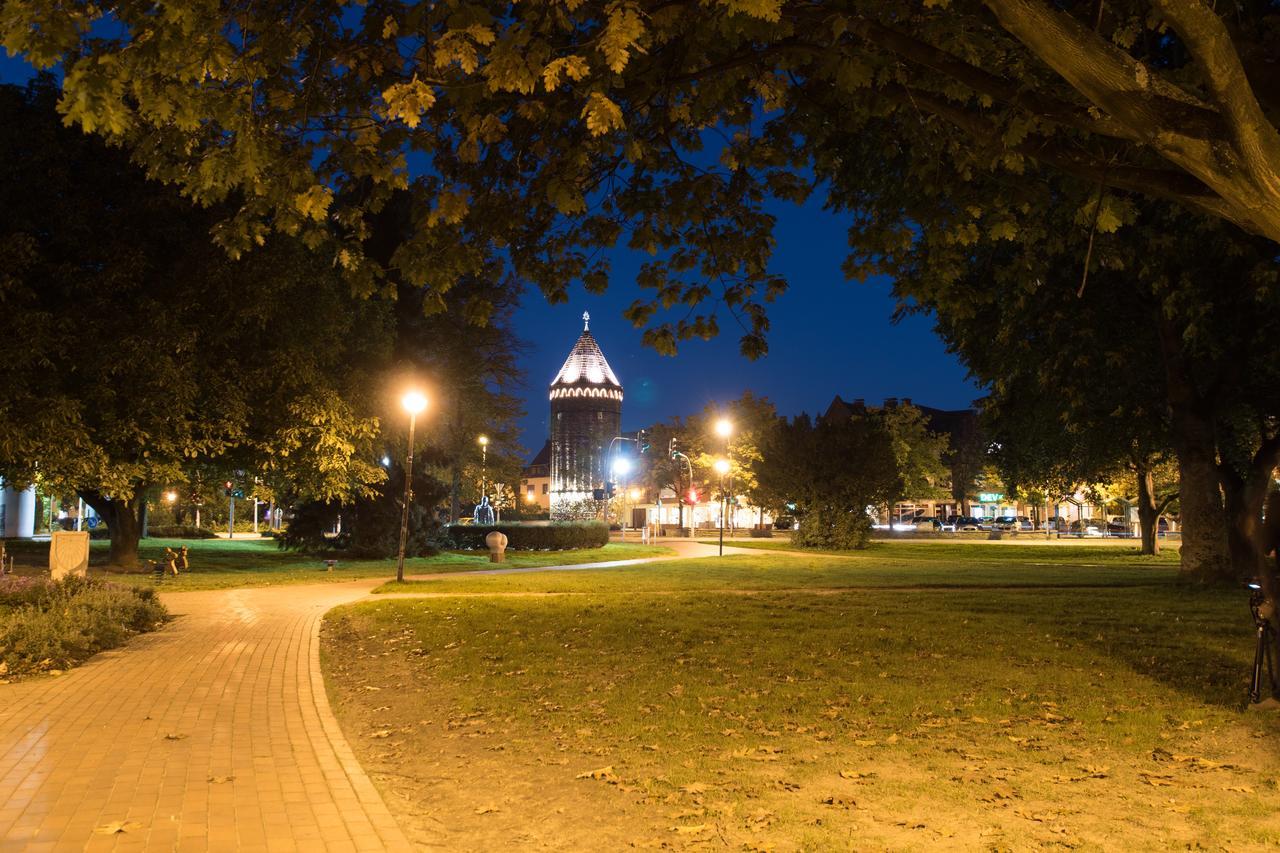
{"x":586,"y":415}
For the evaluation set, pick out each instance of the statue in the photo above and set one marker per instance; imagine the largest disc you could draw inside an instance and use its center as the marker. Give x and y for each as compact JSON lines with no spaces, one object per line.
{"x":484,"y":512}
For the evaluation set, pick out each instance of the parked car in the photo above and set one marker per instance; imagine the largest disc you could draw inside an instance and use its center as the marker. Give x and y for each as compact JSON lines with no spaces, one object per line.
{"x":784,"y":522}
{"x":1005,"y":522}
{"x":1024,"y":523}
{"x":963,"y":522}
{"x":928,"y":522}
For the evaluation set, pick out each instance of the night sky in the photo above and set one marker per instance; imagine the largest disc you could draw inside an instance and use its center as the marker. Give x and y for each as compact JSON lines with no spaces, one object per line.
{"x":829,"y":336}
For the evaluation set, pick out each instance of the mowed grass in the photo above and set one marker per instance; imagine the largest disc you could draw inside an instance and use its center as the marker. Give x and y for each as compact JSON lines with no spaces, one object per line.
{"x":223,"y":563}
{"x":901,"y":565}
{"x":771,"y":702}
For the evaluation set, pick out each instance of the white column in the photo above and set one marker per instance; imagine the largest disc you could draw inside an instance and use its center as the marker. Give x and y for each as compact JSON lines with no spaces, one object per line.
{"x":19,"y":512}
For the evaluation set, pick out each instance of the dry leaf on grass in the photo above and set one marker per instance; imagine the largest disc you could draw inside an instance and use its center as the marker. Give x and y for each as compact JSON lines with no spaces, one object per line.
{"x":603,"y":774}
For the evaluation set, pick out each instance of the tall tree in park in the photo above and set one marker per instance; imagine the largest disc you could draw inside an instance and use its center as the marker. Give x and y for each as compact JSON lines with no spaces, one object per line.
{"x":833,"y":472}
{"x":750,"y":419}
{"x":551,"y":130}
{"x":464,"y":346}
{"x":133,"y":346}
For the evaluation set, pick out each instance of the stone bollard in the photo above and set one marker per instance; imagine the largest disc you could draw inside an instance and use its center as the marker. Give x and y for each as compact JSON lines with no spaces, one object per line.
{"x":497,"y":543}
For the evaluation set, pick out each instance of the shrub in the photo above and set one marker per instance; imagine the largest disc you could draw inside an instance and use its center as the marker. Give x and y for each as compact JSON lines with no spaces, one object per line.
{"x":532,"y":537}
{"x":48,"y":624}
{"x":180,"y":531}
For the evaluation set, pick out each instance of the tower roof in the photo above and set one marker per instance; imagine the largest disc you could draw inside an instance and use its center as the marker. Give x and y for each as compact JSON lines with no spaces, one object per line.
{"x":586,"y":364}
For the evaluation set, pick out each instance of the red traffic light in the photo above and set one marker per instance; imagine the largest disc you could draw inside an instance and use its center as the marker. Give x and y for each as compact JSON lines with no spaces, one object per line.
{"x":692,"y":496}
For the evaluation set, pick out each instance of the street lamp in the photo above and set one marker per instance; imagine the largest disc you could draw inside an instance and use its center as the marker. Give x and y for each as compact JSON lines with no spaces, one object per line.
{"x":622,"y":467}
{"x":414,"y":402}
{"x":722,"y":468}
{"x":484,"y":463}
{"x":724,"y":429}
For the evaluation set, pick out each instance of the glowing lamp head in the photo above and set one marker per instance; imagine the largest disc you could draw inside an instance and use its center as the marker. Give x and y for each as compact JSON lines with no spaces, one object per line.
{"x":414,"y":402}
{"x":484,"y":440}
{"x":722,"y":466}
{"x":724,"y":427}
{"x":635,"y":494}
{"x":170,"y":496}
{"x":621,"y":466}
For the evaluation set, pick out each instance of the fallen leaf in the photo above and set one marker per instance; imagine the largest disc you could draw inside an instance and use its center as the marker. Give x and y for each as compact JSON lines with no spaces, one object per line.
{"x":381,"y":733}
{"x":603,"y":774}
{"x":174,"y":737}
{"x":486,"y":810}
{"x":691,"y":830}
{"x":117,"y":827}
{"x":219,"y":780}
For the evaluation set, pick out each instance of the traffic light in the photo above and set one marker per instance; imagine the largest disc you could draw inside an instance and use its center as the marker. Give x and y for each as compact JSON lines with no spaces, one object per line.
{"x":642,"y":439}
{"x":227,"y":488}
{"x":673,"y":447}
{"x":597,"y":494}
{"x":608,"y":490}
{"x":692,"y":496}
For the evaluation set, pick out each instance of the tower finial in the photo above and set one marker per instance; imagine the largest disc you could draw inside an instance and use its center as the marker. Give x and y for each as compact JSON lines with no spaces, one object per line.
{"x":586,"y":321}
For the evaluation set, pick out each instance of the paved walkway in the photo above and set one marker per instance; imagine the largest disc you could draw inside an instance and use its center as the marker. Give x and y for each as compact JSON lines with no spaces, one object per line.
{"x":213,"y":733}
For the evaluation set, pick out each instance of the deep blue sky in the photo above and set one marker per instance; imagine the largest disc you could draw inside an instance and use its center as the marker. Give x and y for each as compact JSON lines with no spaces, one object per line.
{"x":829,"y":336}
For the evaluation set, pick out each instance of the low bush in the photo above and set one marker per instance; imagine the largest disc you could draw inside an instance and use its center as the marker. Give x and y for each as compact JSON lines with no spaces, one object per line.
{"x":180,"y":531}
{"x":48,"y":624}
{"x":559,"y":536}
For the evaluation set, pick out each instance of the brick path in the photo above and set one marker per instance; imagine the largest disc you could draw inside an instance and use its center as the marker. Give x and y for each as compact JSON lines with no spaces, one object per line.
{"x":213,"y":733}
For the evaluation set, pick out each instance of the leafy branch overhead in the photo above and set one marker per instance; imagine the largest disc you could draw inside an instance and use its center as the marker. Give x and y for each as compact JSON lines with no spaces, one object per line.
{"x":539,"y":133}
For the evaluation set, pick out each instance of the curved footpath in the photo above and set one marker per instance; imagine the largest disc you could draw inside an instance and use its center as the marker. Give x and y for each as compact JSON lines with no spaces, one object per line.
{"x":213,"y":733}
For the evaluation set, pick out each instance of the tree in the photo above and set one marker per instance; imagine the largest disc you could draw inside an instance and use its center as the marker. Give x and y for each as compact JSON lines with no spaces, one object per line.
{"x":751,"y":419}
{"x":133,"y":347}
{"x":833,"y":472}
{"x":547,"y":132}
{"x":917,"y":452}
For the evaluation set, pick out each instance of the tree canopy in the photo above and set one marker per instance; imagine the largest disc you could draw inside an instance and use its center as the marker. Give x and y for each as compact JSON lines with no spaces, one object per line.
{"x":133,"y":347}
{"x":536,"y":133}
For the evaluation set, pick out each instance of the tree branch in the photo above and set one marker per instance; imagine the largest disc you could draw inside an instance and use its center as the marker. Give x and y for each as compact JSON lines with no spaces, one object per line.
{"x":1179,"y":126}
{"x":1174,"y":186}
{"x":1204,"y":35}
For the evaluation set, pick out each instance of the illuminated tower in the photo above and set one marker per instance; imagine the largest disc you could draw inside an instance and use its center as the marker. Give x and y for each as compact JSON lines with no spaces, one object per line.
{"x":586,"y":414}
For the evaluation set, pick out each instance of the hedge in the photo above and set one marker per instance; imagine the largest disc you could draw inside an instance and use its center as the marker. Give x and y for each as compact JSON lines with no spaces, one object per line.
{"x":559,"y":536}
{"x":47,"y":625}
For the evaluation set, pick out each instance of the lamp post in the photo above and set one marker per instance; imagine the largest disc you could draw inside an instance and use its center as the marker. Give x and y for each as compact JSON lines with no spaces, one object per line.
{"x":413,"y":402}
{"x":724,"y":429}
{"x":622,"y":467}
{"x":722,"y":468}
{"x":484,"y":463}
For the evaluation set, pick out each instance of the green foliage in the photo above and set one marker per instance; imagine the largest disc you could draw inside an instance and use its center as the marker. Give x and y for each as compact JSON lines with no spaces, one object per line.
{"x":371,"y":524}
{"x":136,"y":351}
{"x":55,"y":625}
{"x":556,"y":536}
{"x":549,"y":131}
{"x":832,"y":472}
{"x":180,"y":531}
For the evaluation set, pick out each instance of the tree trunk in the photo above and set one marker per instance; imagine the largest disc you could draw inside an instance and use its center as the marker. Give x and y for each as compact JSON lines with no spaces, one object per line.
{"x":1204,"y":554}
{"x":124,"y":523}
{"x":1245,"y":496}
{"x":1148,"y":514}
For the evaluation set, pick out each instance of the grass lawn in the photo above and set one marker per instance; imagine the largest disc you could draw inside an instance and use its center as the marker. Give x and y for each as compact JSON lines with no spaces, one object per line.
{"x":223,"y":563}
{"x":767,"y":702}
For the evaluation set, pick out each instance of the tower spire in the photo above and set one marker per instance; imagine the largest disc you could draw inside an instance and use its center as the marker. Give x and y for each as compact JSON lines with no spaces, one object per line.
{"x":586,"y":321}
